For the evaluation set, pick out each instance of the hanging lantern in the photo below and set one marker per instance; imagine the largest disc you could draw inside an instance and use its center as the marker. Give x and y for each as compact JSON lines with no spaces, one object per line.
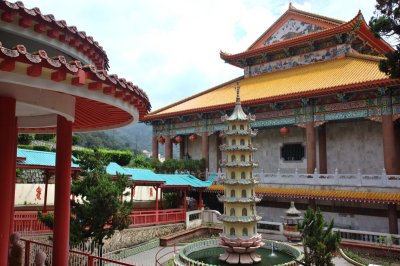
{"x":192,"y":137}
{"x":178,"y":139}
{"x":284,"y":131}
{"x":161,"y":139}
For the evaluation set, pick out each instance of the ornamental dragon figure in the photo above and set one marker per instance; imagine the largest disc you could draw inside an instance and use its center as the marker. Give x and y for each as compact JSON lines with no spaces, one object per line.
{"x":239,"y":239}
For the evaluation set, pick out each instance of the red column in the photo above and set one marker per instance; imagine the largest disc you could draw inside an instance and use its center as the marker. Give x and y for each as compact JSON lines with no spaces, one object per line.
{"x":132,"y":188}
{"x":46,"y":183}
{"x":390,"y":155}
{"x":155,"y":148}
{"x":200,"y":199}
{"x":204,"y":147}
{"x":168,"y":147}
{"x":310,"y":146}
{"x":323,"y":166}
{"x":219,"y":153}
{"x":156,"y":188}
{"x":312,"y":204}
{"x":62,"y":192}
{"x":184,"y":200}
{"x":393,"y":225}
{"x":161,"y":205}
{"x":182,"y":148}
{"x":8,"y":141}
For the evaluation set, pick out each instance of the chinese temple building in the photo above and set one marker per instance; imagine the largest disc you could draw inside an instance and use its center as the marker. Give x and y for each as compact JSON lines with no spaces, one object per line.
{"x":54,"y":79}
{"x":240,"y":239}
{"x":327,"y":120}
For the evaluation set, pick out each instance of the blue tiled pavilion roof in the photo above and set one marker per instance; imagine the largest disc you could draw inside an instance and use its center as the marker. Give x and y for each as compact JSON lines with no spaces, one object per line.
{"x":145,"y":175}
{"x":39,"y":158}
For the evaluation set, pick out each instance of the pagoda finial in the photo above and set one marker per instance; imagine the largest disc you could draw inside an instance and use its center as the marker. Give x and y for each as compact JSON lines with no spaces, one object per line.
{"x":237,"y":88}
{"x":291,"y":6}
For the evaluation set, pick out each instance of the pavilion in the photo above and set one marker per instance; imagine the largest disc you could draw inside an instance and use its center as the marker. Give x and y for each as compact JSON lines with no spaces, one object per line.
{"x":53,"y":79}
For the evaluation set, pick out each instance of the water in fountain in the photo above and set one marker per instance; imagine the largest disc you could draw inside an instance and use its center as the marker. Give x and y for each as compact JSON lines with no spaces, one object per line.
{"x":272,"y":250}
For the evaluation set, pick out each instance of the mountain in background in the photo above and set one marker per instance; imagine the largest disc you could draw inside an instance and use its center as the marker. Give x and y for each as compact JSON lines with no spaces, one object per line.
{"x":136,"y":137}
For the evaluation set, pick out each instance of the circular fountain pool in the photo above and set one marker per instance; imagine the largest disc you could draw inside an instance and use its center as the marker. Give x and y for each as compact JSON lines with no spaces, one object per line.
{"x":207,"y":252}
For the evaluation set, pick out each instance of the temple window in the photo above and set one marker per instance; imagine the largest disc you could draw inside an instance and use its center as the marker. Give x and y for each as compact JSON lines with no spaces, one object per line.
{"x":254,"y":229}
{"x":251,"y":174}
{"x":225,"y":210}
{"x":249,"y":157}
{"x":234,"y":142}
{"x":234,"y":127}
{"x":245,"y":233}
{"x":244,"y":212}
{"x":243,"y":175}
{"x":241,"y":127}
{"x":244,"y":194}
{"x":233,"y":158}
{"x":233,"y":176}
{"x":242,"y":142}
{"x":292,"y":152}
{"x":232,"y":231}
{"x":242,"y":158}
{"x":252,"y":192}
{"x":232,"y":213}
{"x":232,"y":193}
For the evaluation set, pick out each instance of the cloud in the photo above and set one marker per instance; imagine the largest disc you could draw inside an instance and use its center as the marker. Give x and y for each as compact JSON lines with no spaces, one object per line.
{"x":171,"y":48}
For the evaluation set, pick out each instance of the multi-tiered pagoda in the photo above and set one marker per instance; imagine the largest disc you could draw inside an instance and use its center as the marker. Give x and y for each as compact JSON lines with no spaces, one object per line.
{"x":239,"y":238}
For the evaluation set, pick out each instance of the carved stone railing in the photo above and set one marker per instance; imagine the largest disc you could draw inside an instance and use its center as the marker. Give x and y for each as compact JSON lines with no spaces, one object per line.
{"x":358,"y":179}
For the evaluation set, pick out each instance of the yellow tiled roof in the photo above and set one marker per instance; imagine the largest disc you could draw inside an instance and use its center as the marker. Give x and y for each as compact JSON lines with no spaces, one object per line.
{"x":351,"y":72}
{"x":342,"y":195}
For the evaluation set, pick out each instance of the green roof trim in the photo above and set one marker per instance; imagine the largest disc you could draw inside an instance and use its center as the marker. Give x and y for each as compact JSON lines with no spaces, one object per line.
{"x":146,"y":175}
{"x":39,"y":158}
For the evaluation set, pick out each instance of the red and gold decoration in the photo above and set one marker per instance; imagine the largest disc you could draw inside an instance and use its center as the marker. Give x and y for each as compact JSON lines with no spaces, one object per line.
{"x":161,"y":139}
{"x":192,"y":137}
{"x":284,"y":131}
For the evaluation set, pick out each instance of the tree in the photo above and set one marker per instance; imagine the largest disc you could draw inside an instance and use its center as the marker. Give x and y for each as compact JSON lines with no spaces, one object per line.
{"x":99,"y":211}
{"x":25,"y":139}
{"x":386,"y":23}
{"x":319,"y":241}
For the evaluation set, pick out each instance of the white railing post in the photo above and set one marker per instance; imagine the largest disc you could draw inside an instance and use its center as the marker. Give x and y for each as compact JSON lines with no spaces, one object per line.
{"x":359,"y":177}
{"x":296,"y":173}
{"x":278,"y":174}
{"x":336,"y":176}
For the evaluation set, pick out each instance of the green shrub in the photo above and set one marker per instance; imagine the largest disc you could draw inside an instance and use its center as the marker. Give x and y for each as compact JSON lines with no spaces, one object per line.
{"x":355,"y":257}
{"x":120,"y":157}
{"x":44,"y":137}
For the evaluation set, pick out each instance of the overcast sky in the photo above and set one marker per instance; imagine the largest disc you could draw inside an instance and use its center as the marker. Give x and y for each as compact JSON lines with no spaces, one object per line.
{"x":170,"y":48}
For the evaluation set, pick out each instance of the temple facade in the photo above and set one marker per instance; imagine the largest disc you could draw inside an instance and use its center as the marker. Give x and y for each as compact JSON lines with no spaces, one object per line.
{"x":327,"y":121}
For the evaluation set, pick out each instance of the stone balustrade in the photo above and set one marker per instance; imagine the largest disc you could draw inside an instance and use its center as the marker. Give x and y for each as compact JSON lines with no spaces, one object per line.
{"x":358,"y":179}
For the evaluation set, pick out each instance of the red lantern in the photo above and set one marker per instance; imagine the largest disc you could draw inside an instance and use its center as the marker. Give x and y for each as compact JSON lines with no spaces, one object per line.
{"x":192,"y":137}
{"x":284,"y":131}
{"x":161,"y":139}
{"x":178,"y":139}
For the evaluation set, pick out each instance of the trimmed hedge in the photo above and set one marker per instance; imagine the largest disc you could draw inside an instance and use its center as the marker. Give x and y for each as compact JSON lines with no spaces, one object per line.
{"x":120,"y":157}
{"x":36,"y":147}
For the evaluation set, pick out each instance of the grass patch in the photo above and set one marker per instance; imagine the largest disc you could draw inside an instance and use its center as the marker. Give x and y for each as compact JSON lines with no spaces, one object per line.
{"x":366,"y":258}
{"x":355,"y":257}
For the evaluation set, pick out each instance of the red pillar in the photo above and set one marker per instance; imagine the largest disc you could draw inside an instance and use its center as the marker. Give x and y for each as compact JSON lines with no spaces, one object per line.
{"x":390,"y":154}
{"x":200,"y":199}
{"x":62,"y":192}
{"x":204,"y":147}
{"x":46,"y":183}
{"x":219,"y":153}
{"x":323,"y":165}
{"x":312,"y":204}
{"x":161,"y":205}
{"x":156,"y":188}
{"x":310,"y":146}
{"x":155,"y":148}
{"x":184,"y":200}
{"x":182,"y":148}
{"x":392,"y":215}
{"x":168,"y":147}
{"x":8,"y":141}
{"x":132,"y":188}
